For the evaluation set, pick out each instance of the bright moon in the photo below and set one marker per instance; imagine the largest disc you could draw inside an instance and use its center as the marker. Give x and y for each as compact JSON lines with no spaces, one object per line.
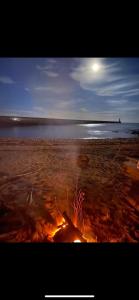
{"x":95,"y":67}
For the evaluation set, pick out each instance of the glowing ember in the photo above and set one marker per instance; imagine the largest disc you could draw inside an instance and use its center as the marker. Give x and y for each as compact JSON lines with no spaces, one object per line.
{"x":63,"y":226}
{"x":77,"y":241}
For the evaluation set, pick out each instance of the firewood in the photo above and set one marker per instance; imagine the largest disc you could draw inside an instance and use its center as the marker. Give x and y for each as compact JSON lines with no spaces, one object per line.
{"x":73,"y":228}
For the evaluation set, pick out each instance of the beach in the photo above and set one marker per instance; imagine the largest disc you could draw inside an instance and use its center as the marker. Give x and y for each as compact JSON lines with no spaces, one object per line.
{"x":53,"y":171}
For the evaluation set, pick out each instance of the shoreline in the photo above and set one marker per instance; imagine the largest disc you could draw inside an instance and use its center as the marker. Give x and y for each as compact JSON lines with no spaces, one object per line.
{"x":68,"y":140}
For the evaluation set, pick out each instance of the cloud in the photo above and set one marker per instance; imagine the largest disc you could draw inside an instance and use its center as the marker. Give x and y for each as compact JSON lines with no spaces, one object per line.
{"x":48,"y":68}
{"x":42,"y":88}
{"x":83,"y":109}
{"x":52,"y":60}
{"x":71,"y":114}
{"x":38,"y":108}
{"x":18,"y":112}
{"x":53,"y":89}
{"x":132,"y":92}
{"x":51,"y":74}
{"x":47,"y":65}
{"x":57,"y":104}
{"x":6,"y":80}
{"x":110,"y":81}
{"x":65,"y":104}
{"x":117,"y":102}
{"x":85,"y":75}
{"x":44,"y":67}
{"x":117,"y":89}
{"x":27,"y":89}
{"x":58,"y":107}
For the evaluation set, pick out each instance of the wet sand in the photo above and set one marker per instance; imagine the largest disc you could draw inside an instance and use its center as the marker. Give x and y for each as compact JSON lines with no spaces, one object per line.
{"x":104,"y":170}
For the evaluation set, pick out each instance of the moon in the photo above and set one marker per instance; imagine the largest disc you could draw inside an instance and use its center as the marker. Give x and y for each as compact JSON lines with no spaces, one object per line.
{"x":95,"y":67}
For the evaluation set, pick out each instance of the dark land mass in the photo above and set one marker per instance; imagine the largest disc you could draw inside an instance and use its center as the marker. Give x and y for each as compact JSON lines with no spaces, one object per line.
{"x":25,"y":121}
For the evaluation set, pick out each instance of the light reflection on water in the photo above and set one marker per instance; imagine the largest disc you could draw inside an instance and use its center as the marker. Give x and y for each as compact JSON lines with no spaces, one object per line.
{"x":90,"y":138}
{"x":89,"y":125}
{"x":97,"y":131}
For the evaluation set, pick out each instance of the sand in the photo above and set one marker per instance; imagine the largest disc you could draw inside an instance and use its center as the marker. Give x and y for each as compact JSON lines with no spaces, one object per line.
{"x":104,"y":170}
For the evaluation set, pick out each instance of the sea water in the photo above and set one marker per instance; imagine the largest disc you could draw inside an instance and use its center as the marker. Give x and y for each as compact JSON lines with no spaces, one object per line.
{"x":77,"y":131}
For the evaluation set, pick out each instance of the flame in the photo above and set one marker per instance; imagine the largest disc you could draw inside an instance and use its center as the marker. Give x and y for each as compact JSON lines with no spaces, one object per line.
{"x":54,"y":231}
{"x":61,"y":224}
{"x":64,"y":225}
{"x":77,"y":241}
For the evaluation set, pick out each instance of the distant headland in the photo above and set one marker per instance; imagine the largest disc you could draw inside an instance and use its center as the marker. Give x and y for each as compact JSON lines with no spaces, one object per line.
{"x":26,"y":121}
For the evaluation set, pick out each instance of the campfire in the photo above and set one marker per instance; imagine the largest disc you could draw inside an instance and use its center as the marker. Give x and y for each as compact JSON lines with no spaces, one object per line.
{"x":67,"y":232}
{"x":39,"y":229}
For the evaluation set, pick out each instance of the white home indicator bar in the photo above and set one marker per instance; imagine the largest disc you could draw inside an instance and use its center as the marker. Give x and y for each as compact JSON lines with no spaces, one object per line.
{"x":69,"y":296}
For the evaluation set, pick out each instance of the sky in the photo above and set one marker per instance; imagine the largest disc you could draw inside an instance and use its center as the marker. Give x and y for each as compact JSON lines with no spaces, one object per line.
{"x":73,"y":88}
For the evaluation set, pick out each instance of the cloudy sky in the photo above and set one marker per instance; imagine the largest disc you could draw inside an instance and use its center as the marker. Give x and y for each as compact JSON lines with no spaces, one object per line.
{"x":82,"y":88}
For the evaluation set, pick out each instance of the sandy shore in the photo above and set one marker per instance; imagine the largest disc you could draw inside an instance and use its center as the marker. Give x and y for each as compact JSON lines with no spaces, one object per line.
{"x":104,"y":170}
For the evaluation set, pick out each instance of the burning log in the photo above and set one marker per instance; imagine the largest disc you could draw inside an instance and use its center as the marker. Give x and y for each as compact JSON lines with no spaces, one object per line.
{"x":75,"y":229}
{"x":68,"y":232}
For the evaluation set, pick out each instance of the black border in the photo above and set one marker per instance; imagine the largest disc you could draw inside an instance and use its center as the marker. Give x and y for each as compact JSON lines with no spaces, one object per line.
{"x":71,"y":42}
{"x":28,"y":271}
{"x":32,"y":270}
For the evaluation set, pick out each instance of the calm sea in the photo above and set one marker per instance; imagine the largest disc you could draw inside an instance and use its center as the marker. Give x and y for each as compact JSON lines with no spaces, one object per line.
{"x":80,"y":131}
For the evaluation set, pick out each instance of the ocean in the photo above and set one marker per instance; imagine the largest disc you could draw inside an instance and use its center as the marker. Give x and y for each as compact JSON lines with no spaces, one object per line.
{"x":78,"y":131}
